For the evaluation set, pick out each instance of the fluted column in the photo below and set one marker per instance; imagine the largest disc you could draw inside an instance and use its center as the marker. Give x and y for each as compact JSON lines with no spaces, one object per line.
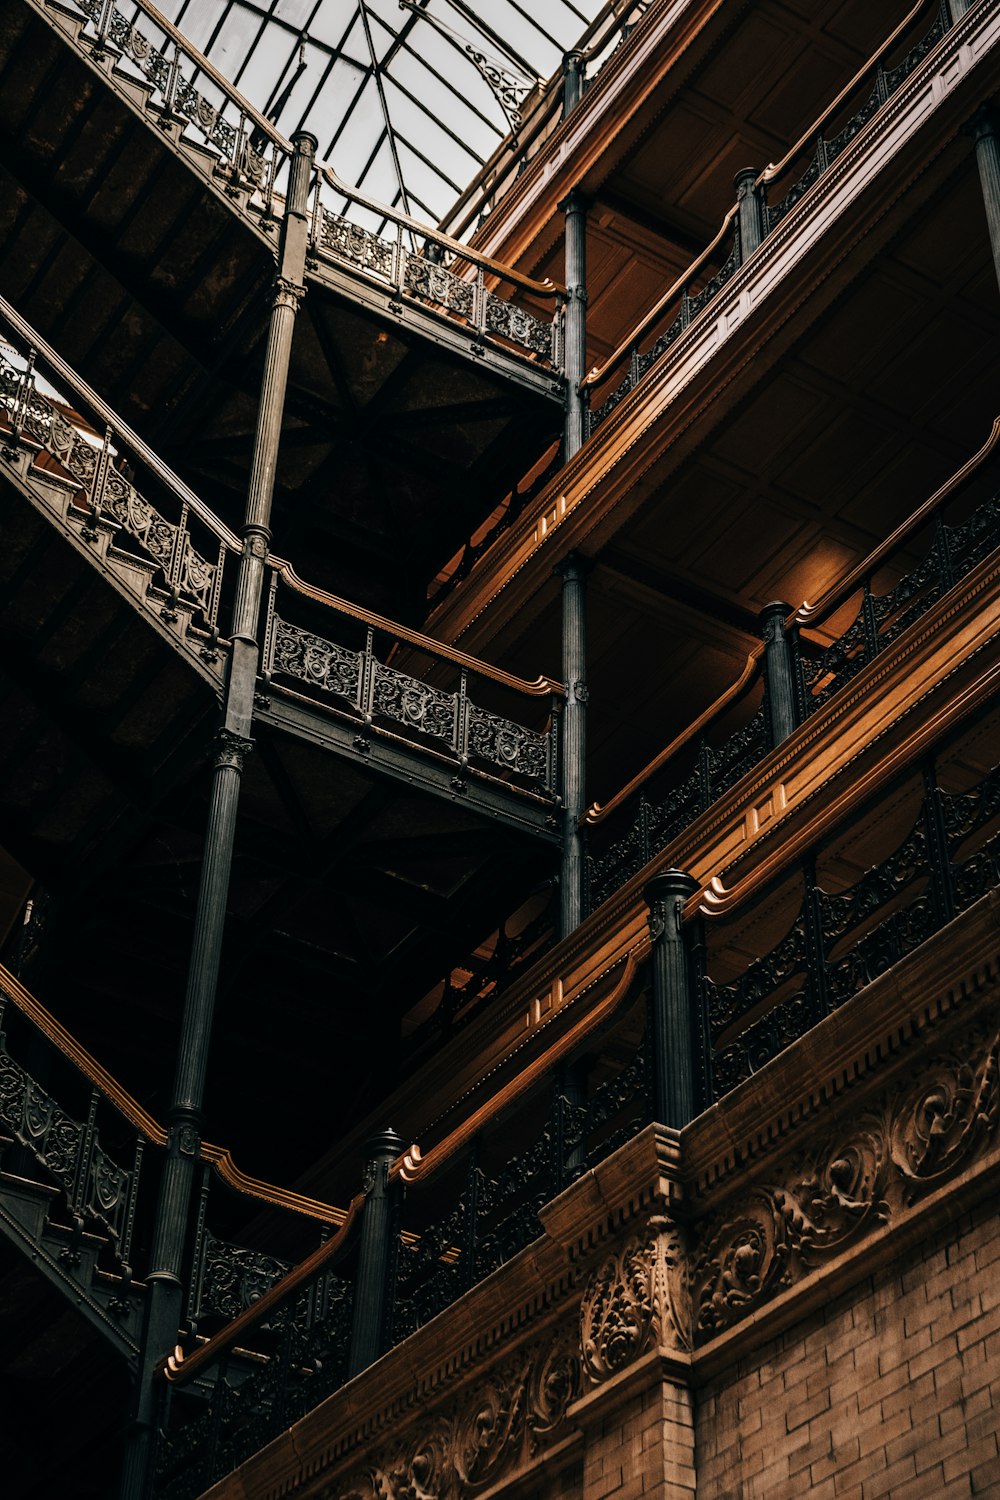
{"x":232,"y":744}
{"x":672,"y":1036}
{"x":574,"y":739}
{"x":575,"y":366}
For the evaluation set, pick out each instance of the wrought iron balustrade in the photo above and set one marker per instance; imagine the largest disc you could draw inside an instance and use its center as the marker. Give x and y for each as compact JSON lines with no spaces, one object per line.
{"x":96,"y":1159}
{"x":187,"y":545}
{"x":882,"y":618}
{"x":658,"y":819}
{"x":751,"y":220}
{"x":462,"y":1003}
{"x":839,"y":941}
{"x":474,"y":1207}
{"x":353,"y":677}
{"x":810,"y":675}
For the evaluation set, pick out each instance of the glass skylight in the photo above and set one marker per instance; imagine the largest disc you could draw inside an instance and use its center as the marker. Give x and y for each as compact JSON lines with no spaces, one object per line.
{"x":407,"y":98}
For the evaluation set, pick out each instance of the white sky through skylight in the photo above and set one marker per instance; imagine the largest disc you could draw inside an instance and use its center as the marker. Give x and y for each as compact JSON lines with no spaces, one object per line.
{"x":400,"y":109}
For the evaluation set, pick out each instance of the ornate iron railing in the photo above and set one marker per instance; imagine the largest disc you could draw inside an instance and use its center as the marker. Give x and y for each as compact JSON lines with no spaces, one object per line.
{"x":353,"y":677}
{"x":471,"y":1205}
{"x":187,"y":545}
{"x":815,"y":673}
{"x":748,"y":223}
{"x":659,"y":820}
{"x":85,"y":1136}
{"x":883,"y":617}
{"x":179,"y":535}
{"x":462,"y":1003}
{"x":189,"y":95}
{"x":840,"y":941}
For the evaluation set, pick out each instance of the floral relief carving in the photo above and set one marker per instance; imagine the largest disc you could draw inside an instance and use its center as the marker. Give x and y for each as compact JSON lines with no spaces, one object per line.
{"x":637,"y":1298}
{"x":507,"y":1416}
{"x":942,"y":1120}
{"x":919,"y":1133}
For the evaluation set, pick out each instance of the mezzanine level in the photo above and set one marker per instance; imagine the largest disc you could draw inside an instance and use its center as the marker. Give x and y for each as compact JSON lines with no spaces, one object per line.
{"x":703,"y":408}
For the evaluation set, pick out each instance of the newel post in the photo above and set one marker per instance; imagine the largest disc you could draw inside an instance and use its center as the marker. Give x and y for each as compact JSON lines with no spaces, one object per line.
{"x":780,"y":672}
{"x":671,"y":1030}
{"x":749,"y":212}
{"x":373,"y":1279}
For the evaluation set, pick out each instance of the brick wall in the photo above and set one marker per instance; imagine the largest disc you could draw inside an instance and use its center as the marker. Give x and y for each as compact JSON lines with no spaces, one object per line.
{"x":643,"y":1448}
{"x":891,"y":1390}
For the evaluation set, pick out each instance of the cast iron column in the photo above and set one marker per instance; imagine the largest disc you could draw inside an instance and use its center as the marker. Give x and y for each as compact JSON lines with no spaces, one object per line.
{"x":749,"y":212}
{"x":572,"y":81}
{"x":164,"y":1283}
{"x":574,"y":744}
{"x":575,"y":367}
{"x":779,"y":672}
{"x":671,"y":1032}
{"x":985,"y":131}
{"x":373,"y":1291}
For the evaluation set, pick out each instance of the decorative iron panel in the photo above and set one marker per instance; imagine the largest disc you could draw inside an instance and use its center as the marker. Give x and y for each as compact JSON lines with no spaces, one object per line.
{"x":64,"y":1147}
{"x":110,"y":493}
{"x":416,"y":704}
{"x":321,"y":663}
{"x":503,"y":743}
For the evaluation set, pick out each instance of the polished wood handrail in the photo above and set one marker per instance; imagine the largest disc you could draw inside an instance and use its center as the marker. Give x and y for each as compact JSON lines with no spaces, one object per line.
{"x":598,"y":811}
{"x":624,"y":350}
{"x":180,"y":1368}
{"x":411,"y":1167}
{"x":719,"y":900}
{"x":770,"y":172}
{"x":541,"y":687}
{"x":814,"y":614}
{"x":140,"y":1120}
{"x":775,"y":169}
{"x":807,"y":615}
{"x":415,"y":1167}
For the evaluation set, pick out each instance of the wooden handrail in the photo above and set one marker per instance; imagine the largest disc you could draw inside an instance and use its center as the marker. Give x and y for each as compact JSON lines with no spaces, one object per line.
{"x":814,"y":614}
{"x":151,"y":1130}
{"x":541,"y":686}
{"x":775,"y":169}
{"x":807,"y":615}
{"x":410,"y":1167}
{"x":597,"y":812}
{"x":769,"y":173}
{"x":600,"y":372}
{"x":180,"y":1368}
{"x":546,"y":288}
{"x":414,"y":1167}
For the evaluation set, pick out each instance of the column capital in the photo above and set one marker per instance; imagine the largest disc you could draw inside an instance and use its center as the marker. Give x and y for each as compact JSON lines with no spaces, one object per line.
{"x":229,"y":749}
{"x":573,"y":568}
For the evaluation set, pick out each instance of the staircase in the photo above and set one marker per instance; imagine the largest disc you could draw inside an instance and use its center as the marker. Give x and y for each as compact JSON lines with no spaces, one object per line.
{"x":137,"y":233}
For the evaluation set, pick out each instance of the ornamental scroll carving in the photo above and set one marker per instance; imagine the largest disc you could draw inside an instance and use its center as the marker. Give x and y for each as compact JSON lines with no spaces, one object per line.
{"x":506,"y":1417}
{"x":918,"y":1134}
{"x":636,"y":1299}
